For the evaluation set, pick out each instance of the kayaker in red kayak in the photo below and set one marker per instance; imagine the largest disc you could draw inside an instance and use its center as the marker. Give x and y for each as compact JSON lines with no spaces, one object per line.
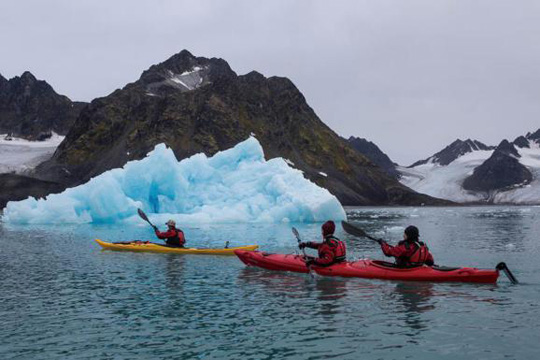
{"x":331,"y":250}
{"x":409,"y":252}
{"x":175,"y":237}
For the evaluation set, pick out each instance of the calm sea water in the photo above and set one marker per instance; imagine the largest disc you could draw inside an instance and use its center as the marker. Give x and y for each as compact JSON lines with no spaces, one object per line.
{"x":61,"y":297}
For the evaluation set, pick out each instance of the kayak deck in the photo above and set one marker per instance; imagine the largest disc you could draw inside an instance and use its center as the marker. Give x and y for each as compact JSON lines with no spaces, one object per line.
{"x":369,"y":269}
{"x":152,"y":247}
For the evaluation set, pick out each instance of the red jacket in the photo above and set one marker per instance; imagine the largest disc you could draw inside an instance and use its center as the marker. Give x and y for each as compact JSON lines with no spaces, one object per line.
{"x":175,"y":237}
{"x":407,"y":253}
{"x":331,"y":251}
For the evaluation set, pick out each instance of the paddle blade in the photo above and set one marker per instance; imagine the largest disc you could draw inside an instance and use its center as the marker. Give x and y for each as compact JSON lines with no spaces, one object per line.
{"x":143,"y":215}
{"x":356,"y":231}
{"x":296,"y":233}
{"x":353,"y":230}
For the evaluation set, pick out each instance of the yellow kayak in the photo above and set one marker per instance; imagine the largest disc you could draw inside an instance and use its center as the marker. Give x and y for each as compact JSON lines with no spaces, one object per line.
{"x":151,"y":247}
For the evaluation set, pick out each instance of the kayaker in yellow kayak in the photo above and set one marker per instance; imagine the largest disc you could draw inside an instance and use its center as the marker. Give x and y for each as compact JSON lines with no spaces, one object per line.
{"x":175,"y":237}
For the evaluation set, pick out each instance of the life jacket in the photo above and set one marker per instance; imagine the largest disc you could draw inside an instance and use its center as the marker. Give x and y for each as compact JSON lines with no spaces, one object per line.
{"x":177,"y":239}
{"x":420,"y":256}
{"x":338,"y":248}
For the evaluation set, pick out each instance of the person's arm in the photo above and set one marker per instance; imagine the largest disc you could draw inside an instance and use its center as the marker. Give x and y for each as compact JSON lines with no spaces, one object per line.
{"x":396,"y":251}
{"x":326,"y":258}
{"x":309,"y":244}
{"x":166,"y":234}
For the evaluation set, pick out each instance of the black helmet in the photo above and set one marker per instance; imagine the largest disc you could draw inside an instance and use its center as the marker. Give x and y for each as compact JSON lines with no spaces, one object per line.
{"x":412,"y":233}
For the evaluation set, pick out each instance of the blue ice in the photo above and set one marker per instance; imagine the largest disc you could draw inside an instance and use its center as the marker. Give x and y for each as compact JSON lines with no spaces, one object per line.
{"x":234,"y":185}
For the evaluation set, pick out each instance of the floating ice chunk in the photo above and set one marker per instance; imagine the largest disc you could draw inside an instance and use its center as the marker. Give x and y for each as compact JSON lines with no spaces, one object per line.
{"x":235,"y":185}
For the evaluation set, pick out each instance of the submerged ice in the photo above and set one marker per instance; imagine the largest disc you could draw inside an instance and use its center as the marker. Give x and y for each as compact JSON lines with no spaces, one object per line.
{"x":235,"y":185}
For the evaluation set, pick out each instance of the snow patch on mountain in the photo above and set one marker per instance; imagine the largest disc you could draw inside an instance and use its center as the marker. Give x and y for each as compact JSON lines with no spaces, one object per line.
{"x":20,"y":155}
{"x":186,"y":81}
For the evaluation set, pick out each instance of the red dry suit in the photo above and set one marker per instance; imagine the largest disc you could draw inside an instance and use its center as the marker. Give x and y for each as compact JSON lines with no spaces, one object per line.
{"x":331,"y":251}
{"x":408,"y":253}
{"x":175,"y":237}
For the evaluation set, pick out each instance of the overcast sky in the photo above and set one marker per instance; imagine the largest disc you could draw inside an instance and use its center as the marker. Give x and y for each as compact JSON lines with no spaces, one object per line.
{"x":411,"y":76}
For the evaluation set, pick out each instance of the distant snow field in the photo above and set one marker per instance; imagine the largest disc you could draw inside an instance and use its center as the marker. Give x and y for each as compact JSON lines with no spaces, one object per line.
{"x":19,"y":155}
{"x":445,"y":182}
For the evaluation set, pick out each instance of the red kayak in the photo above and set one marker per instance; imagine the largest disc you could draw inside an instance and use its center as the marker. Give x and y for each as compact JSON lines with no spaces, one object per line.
{"x":371,"y":269}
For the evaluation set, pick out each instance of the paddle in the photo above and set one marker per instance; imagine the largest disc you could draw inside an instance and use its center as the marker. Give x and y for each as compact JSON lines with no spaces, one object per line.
{"x":502,"y":266}
{"x":297,"y":235}
{"x":356,"y":231}
{"x":145,"y":218}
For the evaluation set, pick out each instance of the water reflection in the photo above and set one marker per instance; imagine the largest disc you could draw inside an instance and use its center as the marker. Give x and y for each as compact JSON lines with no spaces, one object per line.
{"x":415,"y":299}
{"x":286,"y":284}
{"x":328,"y":293}
{"x":174,"y":273}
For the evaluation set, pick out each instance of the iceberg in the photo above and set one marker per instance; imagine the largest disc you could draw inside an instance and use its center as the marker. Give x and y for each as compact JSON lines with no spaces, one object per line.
{"x":234,"y":185}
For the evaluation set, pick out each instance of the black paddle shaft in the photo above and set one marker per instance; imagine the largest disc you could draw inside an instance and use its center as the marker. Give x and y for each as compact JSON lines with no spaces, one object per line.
{"x":356,"y":231}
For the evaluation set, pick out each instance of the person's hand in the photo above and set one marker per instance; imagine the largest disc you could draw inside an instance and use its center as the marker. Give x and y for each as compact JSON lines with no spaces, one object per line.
{"x":380,"y":241}
{"x":155,"y":227}
{"x":301,"y":245}
{"x":309,"y":262}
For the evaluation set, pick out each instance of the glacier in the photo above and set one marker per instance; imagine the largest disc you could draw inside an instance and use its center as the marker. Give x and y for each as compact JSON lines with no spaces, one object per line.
{"x":234,"y":185}
{"x":20,"y":156}
{"x":446,"y":181}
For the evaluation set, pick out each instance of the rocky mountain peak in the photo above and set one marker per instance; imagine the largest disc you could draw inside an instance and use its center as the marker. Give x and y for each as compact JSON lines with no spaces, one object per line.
{"x":30,"y":107}
{"x":453,"y":151}
{"x":184,"y":72}
{"x":28,"y":78}
{"x":506,"y":147}
{"x":254,"y":76}
{"x":195,"y":104}
{"x":534,"y":136}
{"x":502,"y":170}
{"x":375,"y":154}
{"x":521,"y":142}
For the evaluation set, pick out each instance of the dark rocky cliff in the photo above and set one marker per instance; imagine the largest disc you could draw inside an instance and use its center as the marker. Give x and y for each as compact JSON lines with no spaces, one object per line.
{"x":30,"y":108}
{"x":502,"y":170}
{"x":375,"y":154}
{"x":195,"y":104}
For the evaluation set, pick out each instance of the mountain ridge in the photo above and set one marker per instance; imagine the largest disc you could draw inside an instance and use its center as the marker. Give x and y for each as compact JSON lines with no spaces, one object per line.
{"x":510,"y":173}
{"x":31,"y":108}
{"x":453,"y":151}
{"x":212,"y":110}
{"x":375,"y":154}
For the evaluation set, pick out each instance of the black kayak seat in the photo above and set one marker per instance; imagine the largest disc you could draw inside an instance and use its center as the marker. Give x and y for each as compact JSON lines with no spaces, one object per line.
{"x":445,"y":268}
{"x":395,"y":266}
